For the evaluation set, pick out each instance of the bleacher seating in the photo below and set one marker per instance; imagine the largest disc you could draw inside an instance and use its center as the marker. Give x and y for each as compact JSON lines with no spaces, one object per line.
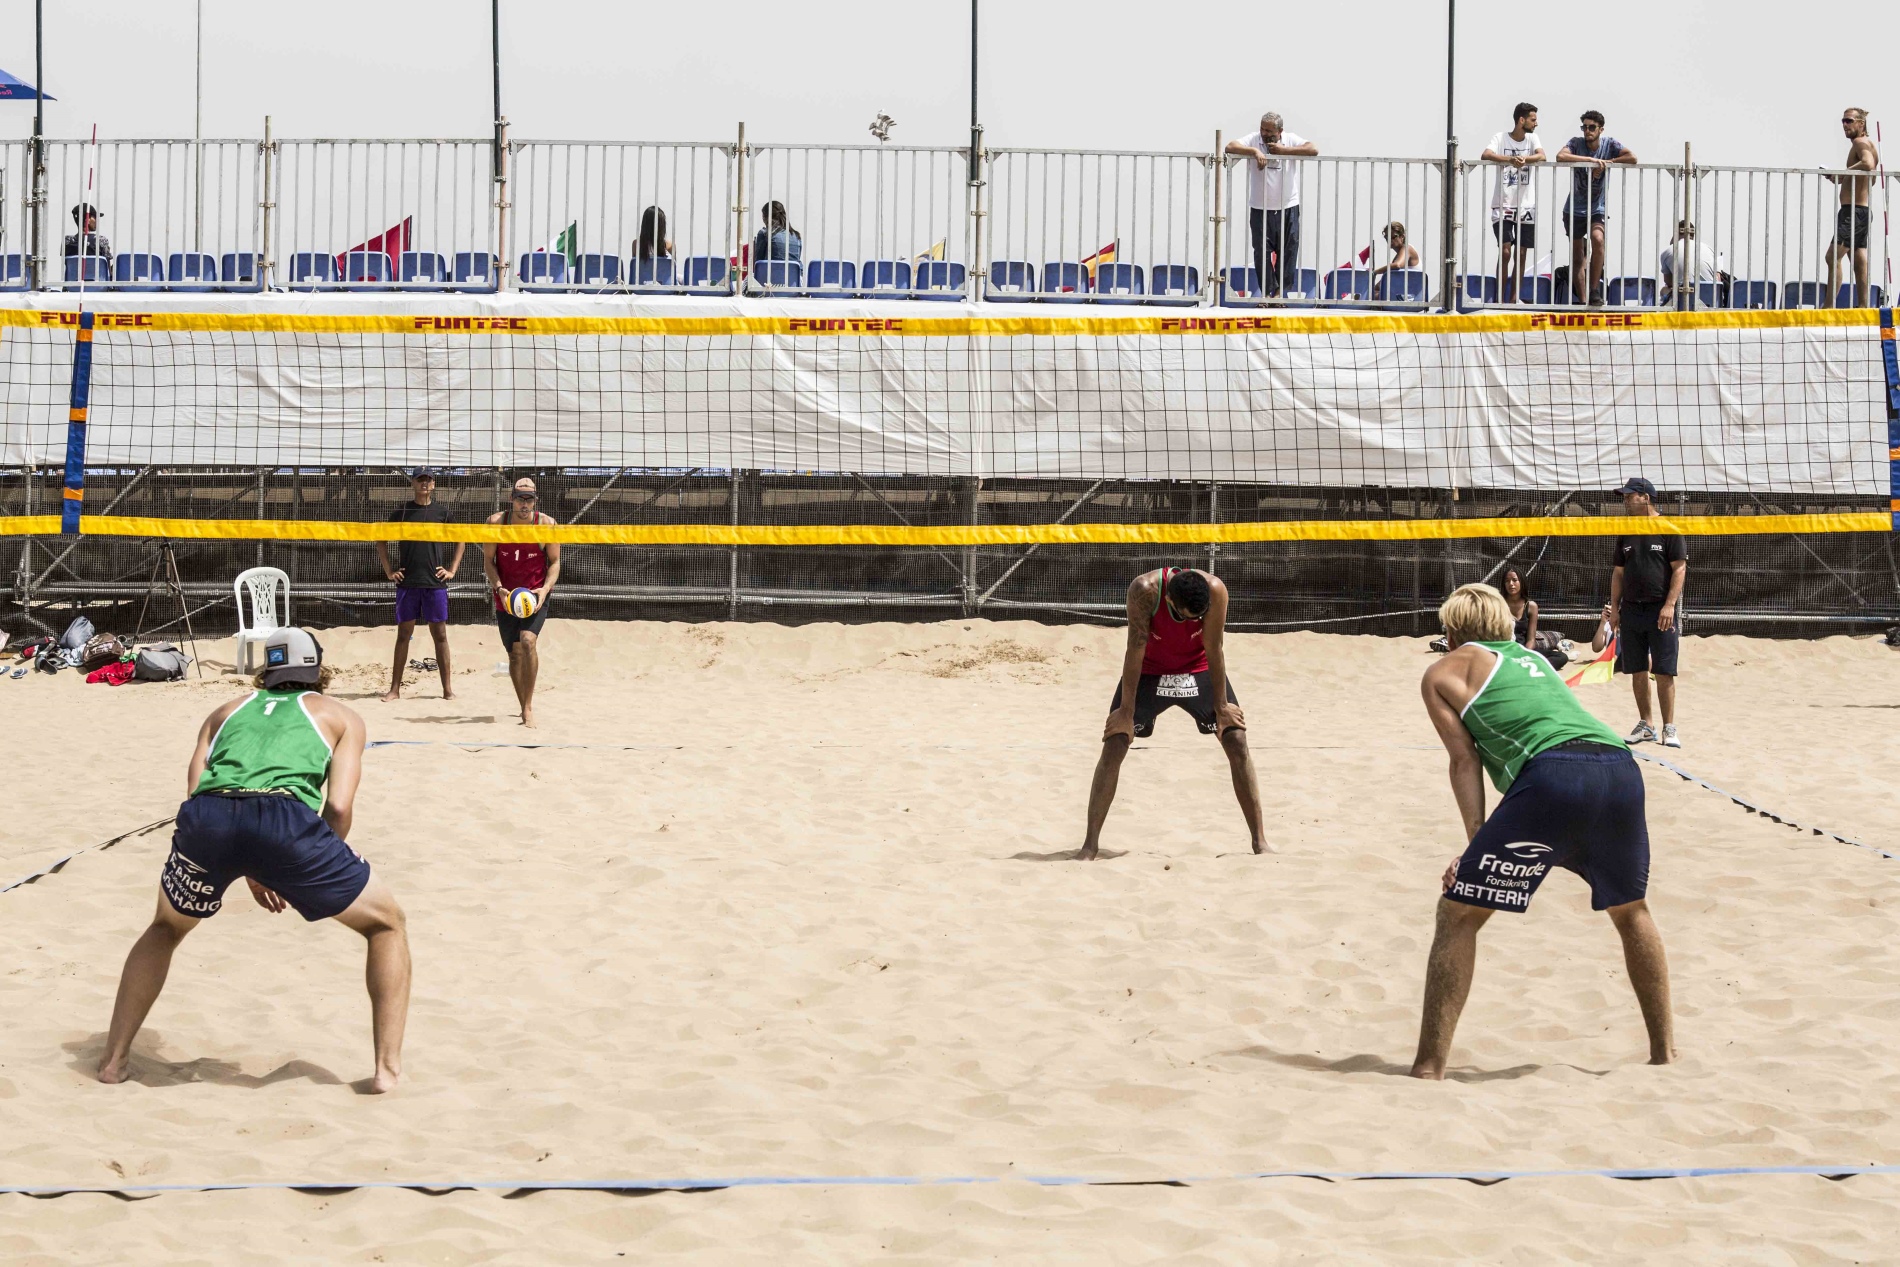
{"x":1064,"y":283}
{"x":368,"y":268}
{"x":1751,"y":294}
{"x":12,"y":272}
{"x":1174,"y":283}
{"x":135,"y":270}
{"x":1240,"y":286}
{"x":192,"y":270}
{"x":940,"y":279}
{"x":652,"y":275}
{"x":707,"y":273}
{"x":422,"y":270}
{"x":884,"y":276}
{"x":1011,"y":281}
{"x":1403,"y":286}
{"x":240,"y":270}
{"x":1539,"y":291}
{"x":1347,"y":283}
{"x":1476,"y":290}
{"x":770,"y":275}
{"x":598,"y":272}
{"x":1631,"y":292}
{"x":312,"y":270}
{"x":543,"y":270}
{"x":1120,"y":284}
{"x":835,"y":279}
{"x":476,"y":270}
{"x":87,"y":268}
{"x":1810,"y":295}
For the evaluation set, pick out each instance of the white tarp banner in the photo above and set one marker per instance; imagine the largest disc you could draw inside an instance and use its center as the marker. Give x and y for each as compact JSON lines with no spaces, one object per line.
{"x":596,"y":381}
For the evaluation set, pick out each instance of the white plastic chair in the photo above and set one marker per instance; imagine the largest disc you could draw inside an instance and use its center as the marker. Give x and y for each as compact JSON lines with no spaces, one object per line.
{"x":263,"y":585}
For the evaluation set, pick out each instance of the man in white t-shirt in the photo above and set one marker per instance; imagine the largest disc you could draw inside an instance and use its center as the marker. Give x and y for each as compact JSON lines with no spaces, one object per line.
{"x":1700,"y":263}
{"x":1273,"y":201}
{"x":1514,"y":199}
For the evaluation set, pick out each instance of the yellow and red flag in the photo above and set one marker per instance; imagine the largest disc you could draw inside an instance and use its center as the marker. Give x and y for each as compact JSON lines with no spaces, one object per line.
{"x":1104,"y":256}
{"x":1590,"y":672}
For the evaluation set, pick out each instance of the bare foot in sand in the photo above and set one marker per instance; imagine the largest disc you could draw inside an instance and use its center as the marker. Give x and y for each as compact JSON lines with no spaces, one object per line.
{"x":1264,"y":846}
{"x":384,"y":1082}
{"x":393,"y":693}
{"x":114,"y":1073}
{"x":1088,"y":853}
{"x":448,"y":694}
{"x":527,"y":718}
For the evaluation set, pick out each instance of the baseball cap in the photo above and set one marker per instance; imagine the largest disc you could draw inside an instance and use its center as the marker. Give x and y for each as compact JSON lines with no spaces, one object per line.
{"x":422,"y":473}
{"x":1637,"y":484}
{"x":291,"y":658}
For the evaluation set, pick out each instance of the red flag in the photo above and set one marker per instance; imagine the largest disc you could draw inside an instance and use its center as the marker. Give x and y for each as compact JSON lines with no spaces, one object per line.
{"x":392,"y":242}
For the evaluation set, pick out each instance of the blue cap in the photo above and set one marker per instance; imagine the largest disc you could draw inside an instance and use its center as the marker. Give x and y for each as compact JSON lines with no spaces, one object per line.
{"x":422,"y":473}
{"x":1637,"y":484}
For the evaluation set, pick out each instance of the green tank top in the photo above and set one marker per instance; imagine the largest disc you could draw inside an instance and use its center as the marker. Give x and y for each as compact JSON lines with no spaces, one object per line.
{"x":1523,"y":709}
{"x":271,"y":743}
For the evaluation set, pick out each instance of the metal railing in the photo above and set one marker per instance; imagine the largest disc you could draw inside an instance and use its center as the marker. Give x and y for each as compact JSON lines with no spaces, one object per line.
{"x":883,"y":220}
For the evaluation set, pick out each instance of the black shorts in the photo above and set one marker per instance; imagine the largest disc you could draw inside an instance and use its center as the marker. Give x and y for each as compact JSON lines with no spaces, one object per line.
{"x":1576,"y":808}
{"x":512,"y":626}
{"x":1158,"y":692}
{"x":1850,"y":226}
{"x":278,"y":841}
{"x":1522,"y":233}
{"x":1577,"y":224}
{"x":1643,"y":648}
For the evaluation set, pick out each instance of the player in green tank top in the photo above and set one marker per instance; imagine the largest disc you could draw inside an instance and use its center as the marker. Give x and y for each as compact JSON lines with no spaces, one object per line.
{"x":1573,"y":799}
{"x":256,"y":808}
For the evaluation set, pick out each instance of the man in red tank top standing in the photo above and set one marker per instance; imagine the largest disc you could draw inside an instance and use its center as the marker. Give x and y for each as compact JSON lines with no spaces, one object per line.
{"x":1176,"y":657}
{"x":512,"y":565}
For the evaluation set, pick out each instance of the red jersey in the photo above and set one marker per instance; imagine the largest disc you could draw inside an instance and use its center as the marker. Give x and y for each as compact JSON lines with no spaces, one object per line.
{"x":521,"y":566}
{"x":1174,"y":646}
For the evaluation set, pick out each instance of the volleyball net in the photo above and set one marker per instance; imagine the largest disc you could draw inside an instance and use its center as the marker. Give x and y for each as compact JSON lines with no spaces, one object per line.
{"x":833,"y":455}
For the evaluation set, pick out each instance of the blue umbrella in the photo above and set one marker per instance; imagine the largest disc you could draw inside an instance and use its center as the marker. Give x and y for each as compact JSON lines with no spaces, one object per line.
{"x":12,"y":89}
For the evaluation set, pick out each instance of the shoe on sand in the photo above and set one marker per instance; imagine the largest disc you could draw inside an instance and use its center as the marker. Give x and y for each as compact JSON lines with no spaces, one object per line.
{"x":1642,"y":732}
{"x":1669,"y":737}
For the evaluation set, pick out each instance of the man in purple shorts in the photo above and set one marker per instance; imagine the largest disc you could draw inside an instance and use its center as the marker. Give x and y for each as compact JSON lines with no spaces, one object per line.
{"x":422,"y":581}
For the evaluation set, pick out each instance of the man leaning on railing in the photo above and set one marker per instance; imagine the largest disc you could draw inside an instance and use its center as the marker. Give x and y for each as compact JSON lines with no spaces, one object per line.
{"x":1273,"y":201}
{"x":1587,"y":213}
{"x":1850,"y":228}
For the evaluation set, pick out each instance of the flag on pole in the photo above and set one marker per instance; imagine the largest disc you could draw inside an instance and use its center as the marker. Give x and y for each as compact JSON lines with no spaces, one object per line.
{"x":936,"y":252}
{"x":1362,"y":259}
{"x":566,"y":242}
{"x":1601,"y":669}
{"x":392,"y":242}
{"x":1104,"y":256}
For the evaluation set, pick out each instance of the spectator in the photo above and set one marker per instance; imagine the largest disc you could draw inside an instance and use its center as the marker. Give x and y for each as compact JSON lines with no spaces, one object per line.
{"x":1700,"y":263}
{"x":1587,"y":212}
{"x":1523,"y":610}
{"x":1273,"y":201}
{"x":777,"y":240}
{"x":422,"y":581}
{"x":1646,"y":577}
{"x":1514,"y":198}
{"x":1404,"y":256}
{"x":1850,"y":226}
{"x":652,"y":244}
{"x":88,"y":241}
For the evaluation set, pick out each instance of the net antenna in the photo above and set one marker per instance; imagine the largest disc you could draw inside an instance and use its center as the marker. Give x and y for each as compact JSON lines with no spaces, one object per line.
{"x":1886,"y":203}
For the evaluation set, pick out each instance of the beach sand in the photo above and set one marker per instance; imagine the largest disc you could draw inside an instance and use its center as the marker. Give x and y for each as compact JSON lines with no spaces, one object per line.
{"x":814,"y":916}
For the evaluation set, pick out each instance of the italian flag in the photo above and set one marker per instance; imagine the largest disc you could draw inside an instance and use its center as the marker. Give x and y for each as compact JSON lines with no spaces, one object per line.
{"x":566,"y":242}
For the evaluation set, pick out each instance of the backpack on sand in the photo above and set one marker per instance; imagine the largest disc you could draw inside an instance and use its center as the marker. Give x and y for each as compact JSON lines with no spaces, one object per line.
{"x":101,"y":650}
{"x":160,"y":662}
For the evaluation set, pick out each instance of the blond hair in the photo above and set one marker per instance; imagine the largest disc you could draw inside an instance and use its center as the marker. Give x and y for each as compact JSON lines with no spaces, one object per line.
{"x":1859,"y":114}
{"x":326,"y":674}
{"x":1476,"y":613}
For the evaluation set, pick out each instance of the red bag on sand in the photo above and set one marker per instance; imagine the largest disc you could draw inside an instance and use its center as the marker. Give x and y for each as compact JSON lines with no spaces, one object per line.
{"x":116,"y":674}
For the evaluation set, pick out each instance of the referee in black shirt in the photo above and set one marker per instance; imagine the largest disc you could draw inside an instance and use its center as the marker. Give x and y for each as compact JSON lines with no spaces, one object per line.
{"x":1645,"y":584}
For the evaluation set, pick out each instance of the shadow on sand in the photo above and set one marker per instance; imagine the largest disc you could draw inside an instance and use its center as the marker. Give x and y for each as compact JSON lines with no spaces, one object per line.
{"x":1366,"y":1063}
{"x":151,"y":1071}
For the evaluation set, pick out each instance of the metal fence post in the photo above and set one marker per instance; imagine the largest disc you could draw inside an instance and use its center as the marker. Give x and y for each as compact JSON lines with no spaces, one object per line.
{"x":1213,"y":518}
{"x":500,"y":162}
{"x":267,"y":208}
{"x":739,"y":241}
{"x":979,"y":157}
{"x":1211,"y":282}
{"x":732,"y":555}
{"x":969,"y":552}
{"x":36,"y":205}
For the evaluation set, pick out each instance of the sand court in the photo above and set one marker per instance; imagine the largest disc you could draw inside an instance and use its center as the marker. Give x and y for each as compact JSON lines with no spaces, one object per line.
{"x":802,"y":906}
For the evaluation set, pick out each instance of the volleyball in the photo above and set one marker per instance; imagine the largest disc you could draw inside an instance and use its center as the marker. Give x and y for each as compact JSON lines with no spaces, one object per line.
{"x":521,"y":603}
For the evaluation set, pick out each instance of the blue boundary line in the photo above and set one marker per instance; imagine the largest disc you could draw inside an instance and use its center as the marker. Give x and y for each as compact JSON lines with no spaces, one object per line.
{"x":718,"y":1183}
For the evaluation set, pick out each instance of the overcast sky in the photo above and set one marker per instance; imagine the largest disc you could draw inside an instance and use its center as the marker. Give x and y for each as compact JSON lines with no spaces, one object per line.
{"x":1747,"y":82}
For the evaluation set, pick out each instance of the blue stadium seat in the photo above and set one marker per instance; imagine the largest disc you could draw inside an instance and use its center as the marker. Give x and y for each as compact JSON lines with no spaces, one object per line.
{"x":424,"y":270}
{"x":191,"y":270}
{"x":834,"y":279}
{"x":12,"y":272}
{"x":137,"y":271}
{"x":598,"y":272}
{"x":1347,"y":283}
{"x":884,"y":276}
{"x":88,"y":268}
{"x":1539,"y":292}
{"x":476,"y":270}
{"x":367,"y":268}
{"x":1120,"y":284}
{"x":240,"y":270}
{"x":1844,"y":297}
{"x":941,"y":279}
{"x":1802,"y":294}
{"x":1405,"y":286}
{"x":1476,"y":290}
{"x":770,"y":275}
{"x":312,"y":270}
{"x":655,"y":274}
{"x":1751,"y":294}
{"x":1064,"y":283}
{"x":1631,"y":292}
{"x":1011,"y":281}
{"x":1174,"y":283}
{"x":707,"y":273}
{"x":1240,"y":286}
{"x":543,"y":270}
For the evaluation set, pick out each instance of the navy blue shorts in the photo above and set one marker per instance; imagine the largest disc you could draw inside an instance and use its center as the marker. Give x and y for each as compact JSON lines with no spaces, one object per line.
{"x":1192,"y":693}
{"x":429,"y":607}
{"x":1640,"y":646}
{"x":277,"y":841}
{"x":1576,"y":808}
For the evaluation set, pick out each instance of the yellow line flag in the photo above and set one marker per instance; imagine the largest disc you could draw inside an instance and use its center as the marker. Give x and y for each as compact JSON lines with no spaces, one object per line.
{"x":1601,"y":669}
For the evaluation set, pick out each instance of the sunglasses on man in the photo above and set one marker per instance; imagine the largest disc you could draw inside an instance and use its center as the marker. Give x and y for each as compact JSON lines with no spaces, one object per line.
{"x":527,"y":497}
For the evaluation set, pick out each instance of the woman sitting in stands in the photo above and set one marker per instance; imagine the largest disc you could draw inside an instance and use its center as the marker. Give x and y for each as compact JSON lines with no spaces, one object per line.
{"x":777,"y":240}
{"x":650,"y":248}
{"x":1523,"y":610}
{"x":1404,"y":255}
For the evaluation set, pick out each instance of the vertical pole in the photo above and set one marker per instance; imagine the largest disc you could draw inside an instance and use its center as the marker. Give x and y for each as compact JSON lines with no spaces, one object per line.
{"x":198,"y":135}
{"x":1213,"y":517}
{"x":1217,"y":265}
{"x":738,"y":228}
{"x":969,"y":551}
{"x":260,"y":514}
{"x":268,"y":208}
{"x":36,"y":254}
{"x":74,"y":492}
{"x":732,"y":556}
{"x":1448,"y":215}
{"x":23,"y":579}
{"x":498,"y":162}
{"x":979,"y":279}
{"x":1686,"y":296}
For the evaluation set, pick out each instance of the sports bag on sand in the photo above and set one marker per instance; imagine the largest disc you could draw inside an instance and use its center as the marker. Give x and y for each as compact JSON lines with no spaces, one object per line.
{"x":160,"y":662}
{"x":101,"y":650}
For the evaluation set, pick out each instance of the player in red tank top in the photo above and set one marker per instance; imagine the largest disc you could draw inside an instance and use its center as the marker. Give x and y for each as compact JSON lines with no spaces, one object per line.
{"x":512,"y":565}
{"x":1176,"y":656}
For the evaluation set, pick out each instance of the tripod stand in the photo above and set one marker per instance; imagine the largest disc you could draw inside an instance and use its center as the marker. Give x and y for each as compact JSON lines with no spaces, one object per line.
{"x":165,"y":566}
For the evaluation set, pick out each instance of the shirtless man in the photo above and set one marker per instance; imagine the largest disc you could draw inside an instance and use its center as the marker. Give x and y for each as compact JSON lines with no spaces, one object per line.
{"x":526,"y":565}
{"x":256,"y":808}
{"x":1573,"y":798}
{"x":1177,"y":621}
{"x":1850,"y":226}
